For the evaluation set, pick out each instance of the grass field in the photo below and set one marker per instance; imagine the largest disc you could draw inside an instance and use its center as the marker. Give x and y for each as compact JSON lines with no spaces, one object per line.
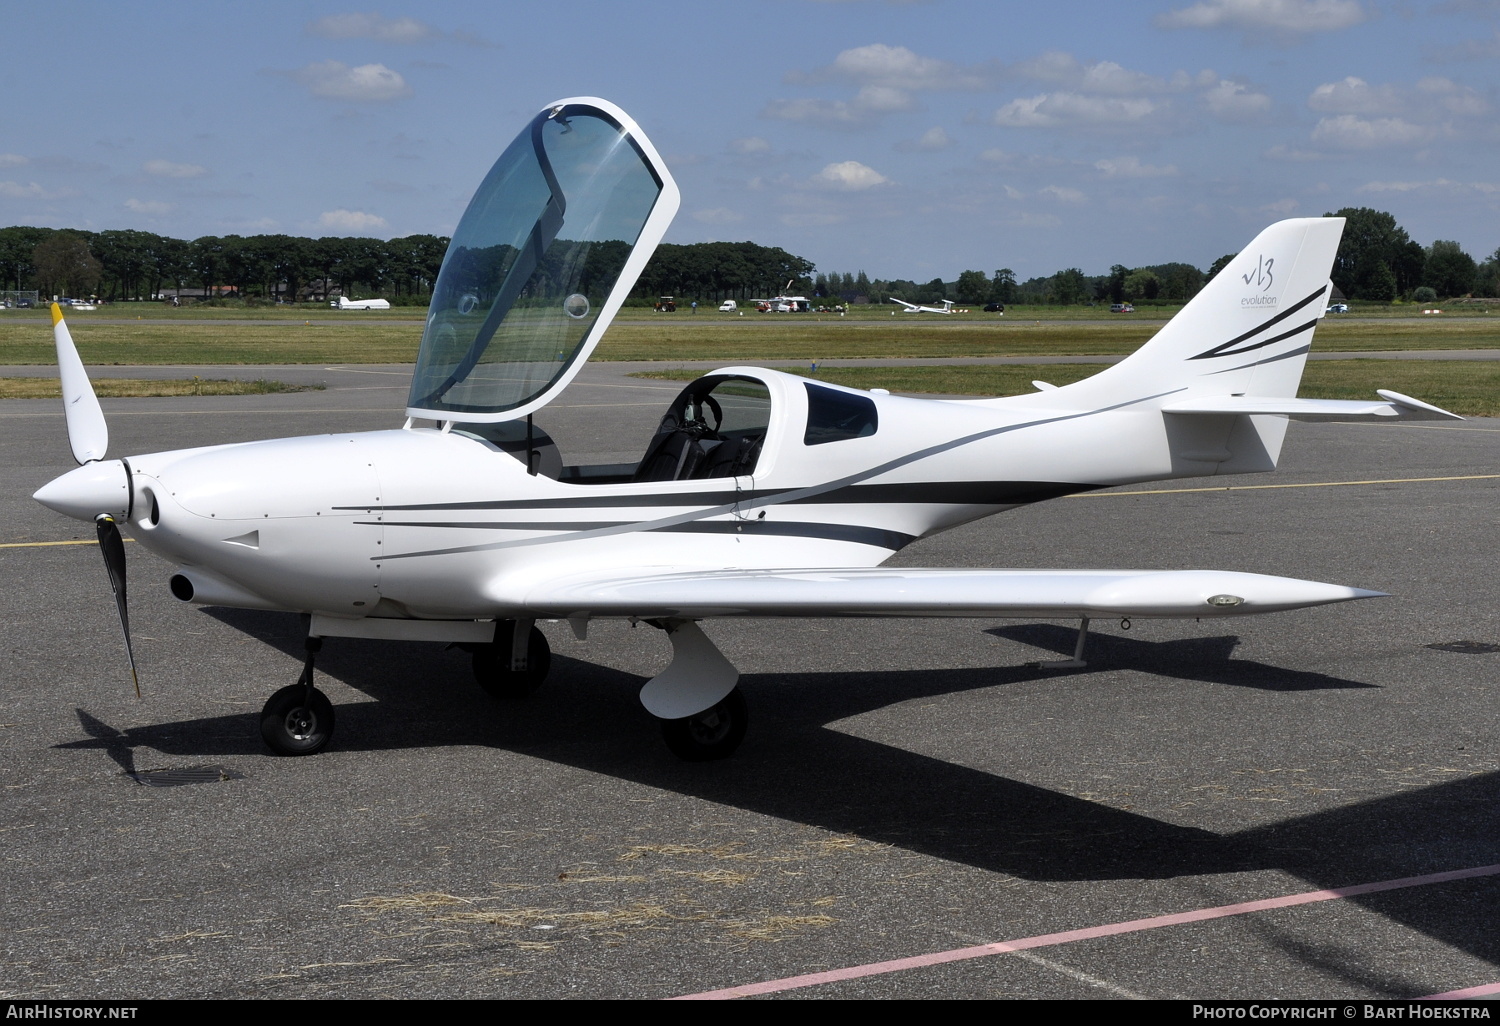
{"x":117,"y":388}
{"x":1469,"y":388}
{"x":378,"y":338}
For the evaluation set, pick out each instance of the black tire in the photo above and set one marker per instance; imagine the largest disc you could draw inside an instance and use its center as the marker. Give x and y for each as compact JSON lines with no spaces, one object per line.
{"x":290,"y":724}
{"x":492,"y":665}
{"x":712,"y":734}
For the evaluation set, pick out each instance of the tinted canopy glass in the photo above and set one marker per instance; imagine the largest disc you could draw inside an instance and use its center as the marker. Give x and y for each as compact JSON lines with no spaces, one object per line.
{"x":534,"y":260}
{"x":833,"y":416}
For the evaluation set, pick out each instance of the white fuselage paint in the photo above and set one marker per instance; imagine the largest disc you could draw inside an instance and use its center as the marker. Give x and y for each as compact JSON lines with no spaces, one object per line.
{"x":433,"y":524}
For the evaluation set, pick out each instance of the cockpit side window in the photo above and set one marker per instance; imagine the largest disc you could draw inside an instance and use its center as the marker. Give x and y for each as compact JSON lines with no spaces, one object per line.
{"x":834,"y":416}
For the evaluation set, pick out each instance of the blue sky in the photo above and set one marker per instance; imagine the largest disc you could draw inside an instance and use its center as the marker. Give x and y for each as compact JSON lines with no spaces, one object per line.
{"x":912,"y":139}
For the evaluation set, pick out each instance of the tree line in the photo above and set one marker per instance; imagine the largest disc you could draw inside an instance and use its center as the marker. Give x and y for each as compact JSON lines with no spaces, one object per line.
{"x":1377,"y":261}
{"x":136,"y":265}
{"x":129,"y":265}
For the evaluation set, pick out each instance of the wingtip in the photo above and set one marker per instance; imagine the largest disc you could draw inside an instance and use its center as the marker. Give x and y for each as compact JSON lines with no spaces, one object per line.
{"x":56,"y":315}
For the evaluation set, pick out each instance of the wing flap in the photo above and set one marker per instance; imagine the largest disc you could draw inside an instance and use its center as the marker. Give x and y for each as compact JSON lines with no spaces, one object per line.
{"x":1041,"y":594}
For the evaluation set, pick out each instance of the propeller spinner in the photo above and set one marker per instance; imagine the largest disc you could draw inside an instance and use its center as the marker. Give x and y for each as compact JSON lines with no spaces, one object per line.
{"x":99,"y":490}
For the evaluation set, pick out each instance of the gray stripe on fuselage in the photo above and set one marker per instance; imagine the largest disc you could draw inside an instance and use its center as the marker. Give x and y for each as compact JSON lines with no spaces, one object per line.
{"x":791,"y":495}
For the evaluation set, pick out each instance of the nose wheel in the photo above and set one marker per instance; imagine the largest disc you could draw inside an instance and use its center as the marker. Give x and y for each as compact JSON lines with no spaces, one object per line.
{"x":298,"y":719}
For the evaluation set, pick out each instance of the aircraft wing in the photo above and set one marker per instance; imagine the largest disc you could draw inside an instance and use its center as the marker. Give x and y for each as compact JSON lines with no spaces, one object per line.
{"x":1395,"y":405}
{"x":665,"y":592}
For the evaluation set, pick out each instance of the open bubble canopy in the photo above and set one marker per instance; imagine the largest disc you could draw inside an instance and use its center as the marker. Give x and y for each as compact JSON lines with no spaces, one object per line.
{"x":550,"y":245}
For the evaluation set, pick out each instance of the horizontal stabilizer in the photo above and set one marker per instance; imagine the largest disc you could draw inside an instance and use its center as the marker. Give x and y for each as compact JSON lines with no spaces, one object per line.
{"x":1395,"y":405}
{"x":1416,"y":409}
{"x":1027,"y":594}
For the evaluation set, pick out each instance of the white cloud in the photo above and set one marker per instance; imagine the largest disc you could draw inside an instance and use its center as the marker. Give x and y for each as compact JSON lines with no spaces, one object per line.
{"x":350,"y":221}
{"x":15,"y":190}
{"x":1281,"y":208}
{"x":1286,"y":16}
{"x":1052,"y":110}
{"x":1355,"y":96}
{"x":1063,"y":194}
{"x":750,"y":145}
{"x":1063,"y":69}
{"x":169,"y":169}
{"x":930,"y":141}
{"x":13,"y":160}
{"x":717,"y":215}
{"x":152,"y":207}
{"x":1351,"y":132}
{"x":1432,"y":97}
{"x":335,"y":80}
{"x":1232,"y":101}
{"x":1109,"y":77}
{"x":1452,"y":97}
{"x":372,"y":26}
{"x":1439,"y":186}
{"x":887,"y":77}
{"x":849,"y":176}
{"x":884,"y":99}
{"x":899,"y":68}
{"x":1131,"y":167}
{"x":867,"y":106}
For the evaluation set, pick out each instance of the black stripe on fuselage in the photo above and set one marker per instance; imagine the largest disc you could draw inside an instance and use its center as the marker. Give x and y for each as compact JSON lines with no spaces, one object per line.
{"x":893,"y":540}
{"x":1227,"y":348}
{"x":963,"y":493}
{"x":949,"y":493}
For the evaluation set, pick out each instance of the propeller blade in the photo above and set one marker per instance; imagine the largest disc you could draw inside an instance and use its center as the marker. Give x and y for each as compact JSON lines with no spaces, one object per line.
{"x":87,"y":432}
{"x":113,"y":548}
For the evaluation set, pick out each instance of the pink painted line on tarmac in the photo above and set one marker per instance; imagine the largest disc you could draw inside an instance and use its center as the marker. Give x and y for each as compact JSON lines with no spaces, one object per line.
{"x":1468,"y":992}
{"x":1048,"y":940}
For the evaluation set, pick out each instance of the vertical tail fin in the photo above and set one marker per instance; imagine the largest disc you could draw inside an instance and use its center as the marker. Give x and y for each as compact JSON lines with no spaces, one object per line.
{"x":1246,"y":333}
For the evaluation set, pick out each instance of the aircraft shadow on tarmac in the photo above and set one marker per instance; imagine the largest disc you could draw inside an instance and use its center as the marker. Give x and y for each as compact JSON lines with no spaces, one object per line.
{"x":1204,"y":659}
{"x":795,"y":768}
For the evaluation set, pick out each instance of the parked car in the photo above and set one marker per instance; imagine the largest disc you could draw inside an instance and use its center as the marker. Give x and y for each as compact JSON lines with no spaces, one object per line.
{"x":994,"y":308}
{"x":1121,"y":308}
{"x":1338,"y":308}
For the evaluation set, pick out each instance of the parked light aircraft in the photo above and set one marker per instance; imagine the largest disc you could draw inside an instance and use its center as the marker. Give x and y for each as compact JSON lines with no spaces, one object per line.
{"x":945,"y":308}
{"x":345,"y":303}
{"x":761,"y":494}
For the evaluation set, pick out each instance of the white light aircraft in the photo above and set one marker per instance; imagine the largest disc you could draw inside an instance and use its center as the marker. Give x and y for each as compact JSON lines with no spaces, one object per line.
{"x":945,"y":308}
{"x":345,"y":303}
{"x":761,"y":494}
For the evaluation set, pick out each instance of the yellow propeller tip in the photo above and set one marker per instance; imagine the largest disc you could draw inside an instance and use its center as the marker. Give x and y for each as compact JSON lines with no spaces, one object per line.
{"x":56,"y":315}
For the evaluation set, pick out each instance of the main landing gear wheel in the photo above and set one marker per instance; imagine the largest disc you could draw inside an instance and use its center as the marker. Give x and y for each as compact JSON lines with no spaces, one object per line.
{"x":492,"y":665}
{"x":712,"y":734}
{"x":297,"y":720}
